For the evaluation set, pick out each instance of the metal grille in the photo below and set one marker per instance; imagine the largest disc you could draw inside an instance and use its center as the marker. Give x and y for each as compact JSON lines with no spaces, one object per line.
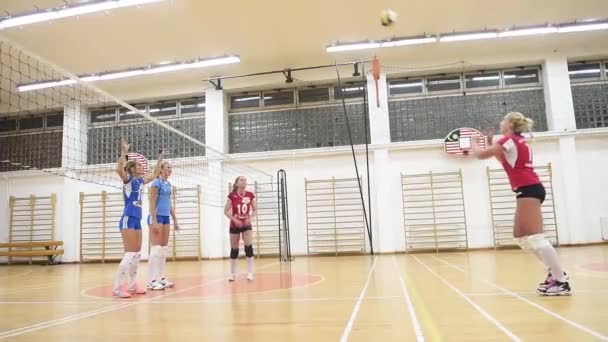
{"x":434,"y":117}
{"x":334,"y":216}
{"x":146,"y":138}
{"x":433,"y":211}
{"x":295,"y":128}
{"x":37,"y":150}
{"x":503,"y":202}
{"x":590,"y":105}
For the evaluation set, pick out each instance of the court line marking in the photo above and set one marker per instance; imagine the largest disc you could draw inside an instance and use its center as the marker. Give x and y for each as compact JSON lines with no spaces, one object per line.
{"x":410,"y":305}
{"x":484,"y":313}
{"x":349,"y":325}
{"x":540,"y":307}
{"x":18,"y":274}
{"x":212,"y":300}
{"x":489,"y":294}
{"x":51,"y":323}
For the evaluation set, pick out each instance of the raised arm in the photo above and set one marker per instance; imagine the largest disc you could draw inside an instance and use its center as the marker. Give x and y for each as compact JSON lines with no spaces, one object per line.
{"x":154,"y":173}
{"x":122,"y":161}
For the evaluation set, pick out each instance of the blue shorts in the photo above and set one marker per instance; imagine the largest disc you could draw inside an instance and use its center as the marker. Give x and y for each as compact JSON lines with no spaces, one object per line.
{"x":160,"y":219}
{"x":129,"y":222}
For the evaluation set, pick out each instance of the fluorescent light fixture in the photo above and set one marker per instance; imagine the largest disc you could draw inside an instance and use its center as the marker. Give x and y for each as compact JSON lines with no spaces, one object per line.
{"x":136,"y":72}
{"x":242,"y":99}
{"x":408,"y":41}
{"x":468,"y":36}
{"x":485,"y":78}
{"x":352,"y":89}
{"x":589,"y":71}
{"x":405,"y":85}
{"x":58,"y":13}
{"x":527,"y":32}
{"x":583,"y":27}
{"x":352,"y":47}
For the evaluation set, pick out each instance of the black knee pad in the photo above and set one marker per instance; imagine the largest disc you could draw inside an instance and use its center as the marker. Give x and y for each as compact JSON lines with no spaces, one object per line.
{"x":234,"y":253}
{"x":249,"y":251}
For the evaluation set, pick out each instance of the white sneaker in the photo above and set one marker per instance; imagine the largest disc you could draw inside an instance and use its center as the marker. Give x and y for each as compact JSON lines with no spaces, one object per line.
{"x":155,"y":286}
{"x":167,"y":284}
{"x":250,"y":276}
{"x":232,"y":277}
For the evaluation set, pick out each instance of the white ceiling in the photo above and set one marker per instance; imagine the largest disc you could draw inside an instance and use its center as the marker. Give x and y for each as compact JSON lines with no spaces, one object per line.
{"x":276,"y":34}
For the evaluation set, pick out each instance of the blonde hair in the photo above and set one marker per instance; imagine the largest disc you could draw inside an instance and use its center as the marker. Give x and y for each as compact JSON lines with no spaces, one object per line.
{"x":235,"y":185}
{"x":520,"y":122}
{"x":130,"y":164}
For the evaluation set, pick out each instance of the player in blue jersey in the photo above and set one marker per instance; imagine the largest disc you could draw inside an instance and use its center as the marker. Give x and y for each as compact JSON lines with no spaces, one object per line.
{"x":161,"y":208}
{"x":132,"y":174}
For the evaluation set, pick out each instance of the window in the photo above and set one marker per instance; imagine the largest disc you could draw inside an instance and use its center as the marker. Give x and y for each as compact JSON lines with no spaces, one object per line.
{"x":167,"y":108}
{"x":103,"y":114}
{"x":8,"y":125}
{"x":193,"y":105}
{"x":585,"y":71}
{"x":521,"y":77}
{"x":313,"y":95}
{"x":245,"y":101}
{"x":349,"y":91}
{"x":482,"y":80}
{"x":127,"y":114}
{"x":285,"y":97}
{"x":443,"y":83}
{"x":36,"y":122}
{"x":54,"y":120}
{"x":406,"y":86}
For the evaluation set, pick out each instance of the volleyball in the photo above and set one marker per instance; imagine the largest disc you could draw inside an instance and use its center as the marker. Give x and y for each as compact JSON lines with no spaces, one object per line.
{"x":388,"y":17}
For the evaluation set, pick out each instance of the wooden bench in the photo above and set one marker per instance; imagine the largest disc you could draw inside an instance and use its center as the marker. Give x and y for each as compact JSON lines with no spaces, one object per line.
{"x":51,"y":249}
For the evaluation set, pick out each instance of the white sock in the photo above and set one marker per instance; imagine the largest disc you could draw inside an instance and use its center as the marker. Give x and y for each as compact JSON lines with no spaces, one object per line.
{"x":250,"y":265}
{"x":163,"y":261}
{"x":552,"y":260}
{"x":233,"y":266}
{"x":153,"y":263}
{"x":123,"y":269}
{"x":133,"y":270}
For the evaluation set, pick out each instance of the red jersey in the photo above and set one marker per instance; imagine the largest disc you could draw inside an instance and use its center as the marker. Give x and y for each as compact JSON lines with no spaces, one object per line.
{"x":241,"y":205}
{"x":517,"y":161}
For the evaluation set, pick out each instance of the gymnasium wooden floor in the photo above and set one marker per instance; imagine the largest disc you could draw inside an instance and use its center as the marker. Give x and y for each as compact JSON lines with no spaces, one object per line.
{"x":474,"y":296}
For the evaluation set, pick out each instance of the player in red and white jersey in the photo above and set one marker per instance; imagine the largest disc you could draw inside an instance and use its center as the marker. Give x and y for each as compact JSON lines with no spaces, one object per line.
{"x":515,"y":155}
{"x":239,"y":209}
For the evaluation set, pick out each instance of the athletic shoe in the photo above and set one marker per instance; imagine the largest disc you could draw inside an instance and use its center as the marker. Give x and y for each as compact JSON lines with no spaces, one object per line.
{"x":167,"y":284}
{"x":155,"y":286}
{"x":250,"y":276}
{"x":136,"y":289}
{"x":549,"y":281}
{"x":558,"y":288}
{"x":121,"y":294}
{"x":232,"y":277}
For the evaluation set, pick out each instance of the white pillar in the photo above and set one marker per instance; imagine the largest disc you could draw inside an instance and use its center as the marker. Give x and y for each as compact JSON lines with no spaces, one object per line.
{"x":214,"y":230}
{"x":560,"y":117}
{"x":379,"y":124}
{"x":558,"y":95}
{"x":74,"y":155}
{"x":75,"y":133}
{"x":386,"y":220}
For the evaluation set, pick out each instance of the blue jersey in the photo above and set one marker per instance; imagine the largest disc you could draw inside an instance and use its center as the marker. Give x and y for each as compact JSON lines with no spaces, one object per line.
{"x":163,"y":200}
{"x":132,"y":192}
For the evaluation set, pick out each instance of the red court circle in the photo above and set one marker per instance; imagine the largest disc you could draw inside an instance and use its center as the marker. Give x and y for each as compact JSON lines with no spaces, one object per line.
{"x":217,"y":286}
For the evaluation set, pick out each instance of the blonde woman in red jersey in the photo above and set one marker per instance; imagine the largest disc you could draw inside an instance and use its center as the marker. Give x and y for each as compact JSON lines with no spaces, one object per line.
{"x":240,"y":208}
{"x":515,"y":155}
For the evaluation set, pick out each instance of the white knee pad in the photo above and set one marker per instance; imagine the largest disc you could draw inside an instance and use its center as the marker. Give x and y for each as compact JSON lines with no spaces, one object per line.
{"x":522,"y":242}
{"x":538,"y":241}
